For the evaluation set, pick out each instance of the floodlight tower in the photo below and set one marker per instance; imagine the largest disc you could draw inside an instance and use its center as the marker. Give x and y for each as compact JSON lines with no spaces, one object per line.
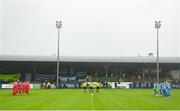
{"x":58,"y":26}
{"x":157,"y":26}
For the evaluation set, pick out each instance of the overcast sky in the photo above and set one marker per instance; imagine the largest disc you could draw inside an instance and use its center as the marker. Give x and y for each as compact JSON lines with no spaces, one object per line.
{"x":90,"y":27}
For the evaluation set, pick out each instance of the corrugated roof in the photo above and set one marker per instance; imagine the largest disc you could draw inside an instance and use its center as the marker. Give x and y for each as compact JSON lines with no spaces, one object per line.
{"x":90,"y":59}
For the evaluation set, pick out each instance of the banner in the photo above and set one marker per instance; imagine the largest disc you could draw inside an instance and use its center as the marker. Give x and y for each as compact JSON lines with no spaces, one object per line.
{"x":10,"y":86}
{"x":36,"y":86}
{"x":7,"y":86}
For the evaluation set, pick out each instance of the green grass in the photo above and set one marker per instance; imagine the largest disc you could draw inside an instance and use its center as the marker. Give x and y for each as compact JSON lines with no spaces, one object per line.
{"x":74,"y":99}
{"x":9,"y":76}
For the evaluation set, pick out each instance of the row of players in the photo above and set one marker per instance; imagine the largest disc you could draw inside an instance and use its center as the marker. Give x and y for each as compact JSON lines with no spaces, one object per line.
{"x":84,"y":86}
{"x":20,"y":88}
{"x":162,"y":89}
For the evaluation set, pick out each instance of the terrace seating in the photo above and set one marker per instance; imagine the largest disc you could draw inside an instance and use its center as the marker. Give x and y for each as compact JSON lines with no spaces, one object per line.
{"x":44,"y":77}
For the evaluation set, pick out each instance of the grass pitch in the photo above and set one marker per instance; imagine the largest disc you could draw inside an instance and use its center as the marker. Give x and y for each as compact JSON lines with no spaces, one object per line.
{"x":74,"y":99}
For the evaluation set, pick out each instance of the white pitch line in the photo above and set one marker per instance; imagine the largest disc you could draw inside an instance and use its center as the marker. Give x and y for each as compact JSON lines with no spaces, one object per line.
{"x":92,"y":103}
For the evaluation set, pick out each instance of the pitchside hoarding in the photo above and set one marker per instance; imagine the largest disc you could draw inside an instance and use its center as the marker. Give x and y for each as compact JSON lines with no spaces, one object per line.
{"x":10,"y":86}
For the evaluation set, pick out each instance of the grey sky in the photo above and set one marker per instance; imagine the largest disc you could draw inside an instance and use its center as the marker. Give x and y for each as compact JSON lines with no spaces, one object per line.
{"x":90,"y":27}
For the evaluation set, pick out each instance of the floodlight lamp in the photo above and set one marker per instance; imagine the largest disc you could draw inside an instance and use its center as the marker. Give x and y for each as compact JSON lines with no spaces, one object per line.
{"x":58,"y":24}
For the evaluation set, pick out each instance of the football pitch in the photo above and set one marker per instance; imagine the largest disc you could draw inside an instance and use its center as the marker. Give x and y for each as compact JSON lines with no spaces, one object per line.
{"x":74,"y":99}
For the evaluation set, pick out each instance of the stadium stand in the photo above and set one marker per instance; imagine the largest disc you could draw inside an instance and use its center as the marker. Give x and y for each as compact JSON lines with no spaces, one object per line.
{"x":74,"y":70}
{"x":44,"y":77}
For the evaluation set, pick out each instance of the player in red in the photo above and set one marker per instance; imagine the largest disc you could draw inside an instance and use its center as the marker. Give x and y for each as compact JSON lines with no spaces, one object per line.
{"x":23,"y":88}
{"x":19,"y":87}
{"x":15,"y":88}
{"x":27,"y":87}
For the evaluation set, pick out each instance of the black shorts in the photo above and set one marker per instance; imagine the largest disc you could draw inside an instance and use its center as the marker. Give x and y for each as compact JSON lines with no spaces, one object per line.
{"x":84,"y":87}
{"x":91,"y":87}
{"x":97,"y":88}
